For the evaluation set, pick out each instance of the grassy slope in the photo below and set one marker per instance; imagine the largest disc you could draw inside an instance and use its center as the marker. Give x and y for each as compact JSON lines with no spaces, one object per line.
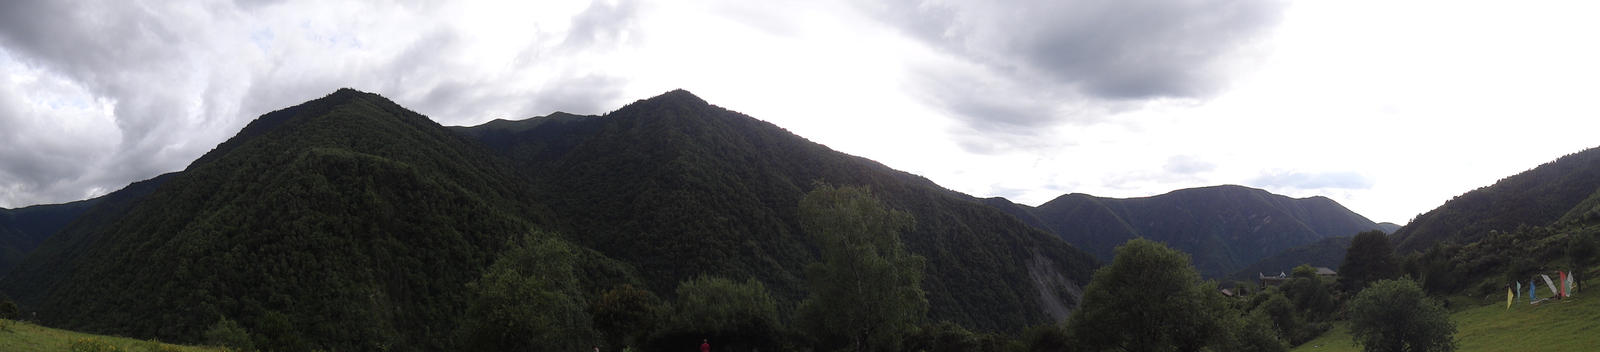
{"x":1571,"y":325}
{"x":24,"y":337}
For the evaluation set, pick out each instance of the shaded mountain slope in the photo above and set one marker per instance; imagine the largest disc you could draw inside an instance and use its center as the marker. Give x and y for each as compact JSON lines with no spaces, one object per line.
{"x":346,"y":222}
{"x":23,"y":229}
{"x":679,"y":188}
{"x":1223,"y":228}
{"x":1327,"y":253}
{"x":1536,"y":197}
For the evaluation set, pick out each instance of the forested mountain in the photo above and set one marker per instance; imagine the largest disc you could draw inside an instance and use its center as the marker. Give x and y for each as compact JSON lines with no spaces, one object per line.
{"x":23,"y":229}
{"x":678,"y":187}
{"x":346,"y":222}
{"x":1327,"y":253}
{"x":351,"y":223}
{"x":1536,"y":197}
{"x":1223,"y":228}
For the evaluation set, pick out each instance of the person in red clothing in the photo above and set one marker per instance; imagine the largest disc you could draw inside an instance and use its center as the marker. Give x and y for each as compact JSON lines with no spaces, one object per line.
{"x":705,"y":345}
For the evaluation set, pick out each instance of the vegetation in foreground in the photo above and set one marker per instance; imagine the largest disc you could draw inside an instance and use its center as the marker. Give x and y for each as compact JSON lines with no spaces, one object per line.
{"x":1566,"y":325}
{"x":18,"y":336}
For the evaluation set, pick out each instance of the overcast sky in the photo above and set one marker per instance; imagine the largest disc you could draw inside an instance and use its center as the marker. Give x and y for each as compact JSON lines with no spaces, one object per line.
{"x":1389,"y":107}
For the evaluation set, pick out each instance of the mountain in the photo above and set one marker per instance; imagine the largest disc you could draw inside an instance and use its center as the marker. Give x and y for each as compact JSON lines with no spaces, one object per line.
{"x":1223,"y":228}
{"x":23,"y":229}
{"x":1327,"y":253}
{"x":351,"y":223}
{"x":1537,"y":197}
{"x":679,"y":187}
{"x":347,"y":221}
{"x":1388,"y":227}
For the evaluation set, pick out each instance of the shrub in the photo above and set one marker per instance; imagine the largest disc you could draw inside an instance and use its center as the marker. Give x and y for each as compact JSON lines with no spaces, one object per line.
{"x":228,"y":333}
{"x":92,"y":345}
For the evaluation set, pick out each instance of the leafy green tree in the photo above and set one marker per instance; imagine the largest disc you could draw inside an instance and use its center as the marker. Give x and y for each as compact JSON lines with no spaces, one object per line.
{"x":1581,"y":251}
{"x":1148,"y":299}
{"x":733,"y":315}
{"x":228,"y":333}
{"x":1370,"y":258}
{"x":1046,"y":338}
{"x":8,"y":309}
{"x":1252,"y":333}
{"x":866,"y":292}
{"x":625,"y":314}
{"x":1395,"y":315}
{"x":1309,"y":294}
{"x":529,"y":300}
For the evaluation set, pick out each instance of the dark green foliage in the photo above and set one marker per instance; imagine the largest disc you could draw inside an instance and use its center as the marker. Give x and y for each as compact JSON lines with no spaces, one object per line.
{"x":8,"y":309}
{"x":680,"y":188}
{"x":23,"y":229}
{"x":350,"y":223}
{"x":1581,"y":253}
{"x":1149,"y":299}
{"x":357,"y":222}
{"x":228,"y":333}
{"x":733,"y":315}
{"x":1370,"y":258}
{"x":1046,"y":338}
{"x":529,"y":299}
{"x":1223,"y":228}
{"x":1251,"y":332}
{"x":949,"y":337}
{"x":1310,"y":294}
{"x":1328,"y":253}
{"x":1536,"y":197}
{"x":626,"y":315}
{"x":1394,"y":315}
{"x":866,"y":291}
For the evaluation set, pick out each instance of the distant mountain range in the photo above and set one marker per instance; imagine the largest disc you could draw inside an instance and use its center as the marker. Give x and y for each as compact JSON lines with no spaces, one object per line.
{"x":351,"y":223}
{"x":1223,"y":228}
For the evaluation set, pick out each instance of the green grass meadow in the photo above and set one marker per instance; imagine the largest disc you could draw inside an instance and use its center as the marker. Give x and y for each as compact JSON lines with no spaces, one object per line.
{"x":1569,"y":325}
{"x":24,"y":337}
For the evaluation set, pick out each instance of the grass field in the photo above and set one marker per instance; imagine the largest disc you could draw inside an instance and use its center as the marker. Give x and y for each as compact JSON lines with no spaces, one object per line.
{"x":1569,"y":325}
{"x":24,"y":337}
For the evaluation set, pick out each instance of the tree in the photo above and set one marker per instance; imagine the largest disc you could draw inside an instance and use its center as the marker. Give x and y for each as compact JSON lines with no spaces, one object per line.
{"x":1395,"y":315}
{"x":735,"y":316}
{"x":1370,"y":258}
{"x":866,"y":292}
{"x":529,"y":300}
{"x":8,"y":309}
{"x":1148,"y":299}
{"x":1581,"y":250}
{"x":1309,"y":295}
{"x":625,"y":314}
{"x":228,"y":333}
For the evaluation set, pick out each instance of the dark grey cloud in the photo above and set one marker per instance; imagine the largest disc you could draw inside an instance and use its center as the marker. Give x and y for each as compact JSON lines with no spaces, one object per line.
{"x":1075,"y":61}
{"x":1312,"y":180}
{"x":177,"y":78}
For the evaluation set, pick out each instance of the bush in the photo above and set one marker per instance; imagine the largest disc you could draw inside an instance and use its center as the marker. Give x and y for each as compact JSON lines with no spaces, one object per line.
{"x":8,"y":310}
{"x":92,"y":345}
{"x":1395,"y":315}
{"x":228,"y":333}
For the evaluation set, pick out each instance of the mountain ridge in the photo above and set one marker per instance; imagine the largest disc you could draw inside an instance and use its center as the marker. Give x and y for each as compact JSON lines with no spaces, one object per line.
{"x":1224,"y":228}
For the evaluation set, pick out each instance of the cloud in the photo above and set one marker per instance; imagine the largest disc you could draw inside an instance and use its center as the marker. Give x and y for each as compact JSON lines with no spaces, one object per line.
{"x":1312,"y":180}
{"x":154,"y":85}
{"x":1054,"y":62}
{"x":1188,"y":165}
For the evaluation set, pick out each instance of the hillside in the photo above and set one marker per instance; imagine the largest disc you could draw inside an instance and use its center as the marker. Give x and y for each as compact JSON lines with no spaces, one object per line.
{"x":351,"y":223}
{"x":1536,"y":197}
{"x":347,"y":221}
{"x":24,"y":337}
{"x":1559,"y":326}
{"x":1327,"y":253}
{"x":1223,"y":228}
{"x":23,"y":229}
{"x":679,"y":187}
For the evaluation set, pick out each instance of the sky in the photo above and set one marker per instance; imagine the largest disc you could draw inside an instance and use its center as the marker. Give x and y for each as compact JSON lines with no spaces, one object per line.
{"x":1388,"y":107}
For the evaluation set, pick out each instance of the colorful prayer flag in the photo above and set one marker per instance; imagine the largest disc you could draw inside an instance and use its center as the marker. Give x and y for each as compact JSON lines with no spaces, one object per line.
{"x":1509,"y":296}
{"x":1550,"y":284}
